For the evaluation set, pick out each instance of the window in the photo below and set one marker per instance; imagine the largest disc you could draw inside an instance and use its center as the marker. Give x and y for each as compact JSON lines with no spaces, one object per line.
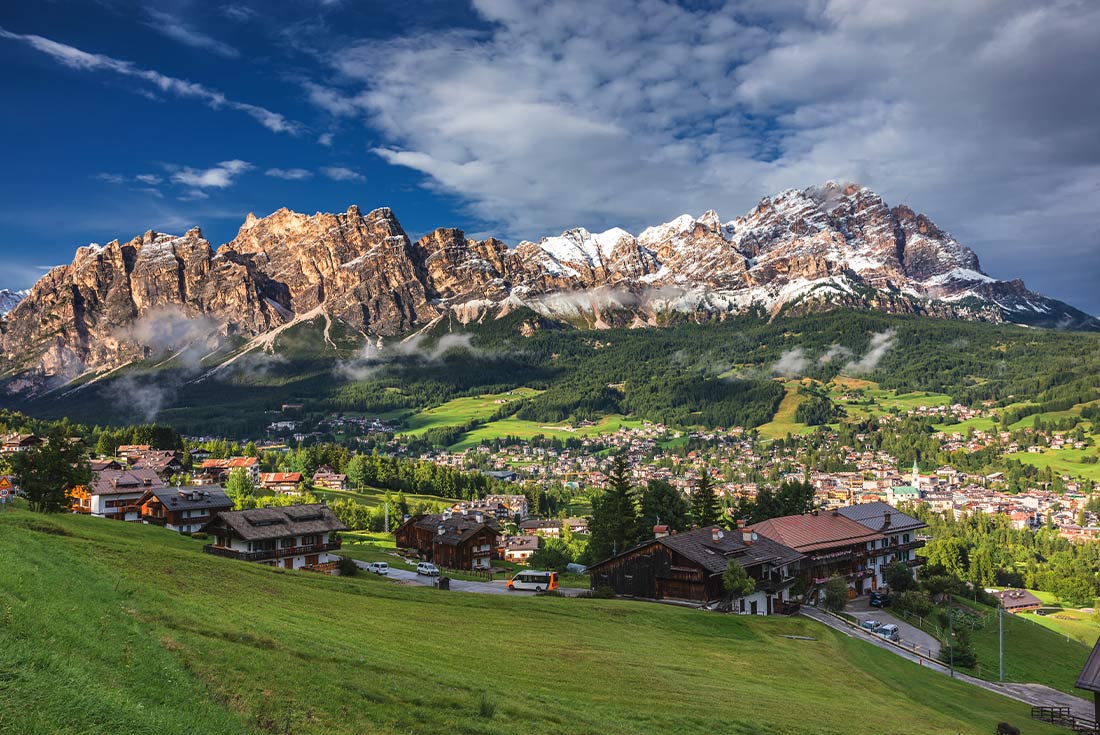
{"x":286,"y":543}
{"x":905,"y":538}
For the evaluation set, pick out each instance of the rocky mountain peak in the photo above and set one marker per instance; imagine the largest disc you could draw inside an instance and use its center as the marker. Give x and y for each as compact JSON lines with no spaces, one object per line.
{"x":838,"y":244}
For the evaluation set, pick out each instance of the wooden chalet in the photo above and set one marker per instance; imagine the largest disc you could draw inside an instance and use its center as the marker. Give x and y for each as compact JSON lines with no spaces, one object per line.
{"x":329,"y":479}
{"x":1089,"y":680}
{"x":833,"y":545}
{"x":164,"y":462}
{"x":10,"y":443}
{"x":290,"y":537}
{"x":183,"y":509}
{"x":133,"y":452}
{"x":281,"y":482}
{"x":689,"y":566}
{"x":115,"y":494}
{"x":899,"y":531}
{"x":451,"y":541}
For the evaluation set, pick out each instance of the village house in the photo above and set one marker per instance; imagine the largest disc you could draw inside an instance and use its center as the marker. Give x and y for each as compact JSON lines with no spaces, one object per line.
{"x":451,"y":541}
{"x":518,"y":549}
{"x":114,"y":494}
{"x":551,"y":527}
{"x":281,"y":482}
{"x":219,"y":469}
{"x":689,"y":566}
{"x":833,"y":545}
{"x":328,"y":479}
{"x":516,"y":505}
{"x":900,"y":532}
{"x":183,"y":509}
{"x":290,"y":537}
{"x":1015,"y":601}
{"x":164,"y":462}
{"x":11,"y":443}
{"x":131,"y":452}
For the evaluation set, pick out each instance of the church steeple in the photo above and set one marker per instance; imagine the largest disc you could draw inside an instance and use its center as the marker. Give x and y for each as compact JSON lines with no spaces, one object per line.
{"x":916,"y":475}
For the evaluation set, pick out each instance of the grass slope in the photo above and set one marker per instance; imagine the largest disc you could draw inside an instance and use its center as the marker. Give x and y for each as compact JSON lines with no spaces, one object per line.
{"x":1033,"y":653}
{"x":1080,"y":626}
{"x":783,"y":423}
{"x":111,"y":628}
{"x":462,"y":410}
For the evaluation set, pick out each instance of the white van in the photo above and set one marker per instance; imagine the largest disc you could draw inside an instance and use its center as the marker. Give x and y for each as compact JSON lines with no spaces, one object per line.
{"x":889,"y":632}
{"x":378,"y":567}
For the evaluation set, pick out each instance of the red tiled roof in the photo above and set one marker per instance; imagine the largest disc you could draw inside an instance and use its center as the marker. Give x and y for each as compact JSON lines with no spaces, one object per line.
{"x":811,"y":532}
{"x":229,"y":464}
{"x":294,"y":477}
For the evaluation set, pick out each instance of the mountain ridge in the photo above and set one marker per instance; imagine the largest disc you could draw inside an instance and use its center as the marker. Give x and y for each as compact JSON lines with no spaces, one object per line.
{"x":798,"y":251}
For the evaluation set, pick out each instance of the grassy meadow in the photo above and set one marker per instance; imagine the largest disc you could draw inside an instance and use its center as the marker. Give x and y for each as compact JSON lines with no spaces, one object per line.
{"x":120,"y":628}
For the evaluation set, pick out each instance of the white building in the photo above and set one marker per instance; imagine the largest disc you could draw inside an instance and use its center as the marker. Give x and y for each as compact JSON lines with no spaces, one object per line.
{"x":291,"y":537}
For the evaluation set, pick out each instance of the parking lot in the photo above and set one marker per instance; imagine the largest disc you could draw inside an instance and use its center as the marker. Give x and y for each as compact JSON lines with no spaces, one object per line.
{"x":911,"y":636}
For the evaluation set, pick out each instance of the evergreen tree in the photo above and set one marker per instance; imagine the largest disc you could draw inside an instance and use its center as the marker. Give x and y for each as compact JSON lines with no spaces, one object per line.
{"x":240,"y":489}
{"x":615,"y":523}
{"x":664,"y":504}
{"x":704,"y":501}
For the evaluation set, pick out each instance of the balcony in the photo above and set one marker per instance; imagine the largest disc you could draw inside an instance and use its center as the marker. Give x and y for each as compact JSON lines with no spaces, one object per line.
{"x":269,"y":554}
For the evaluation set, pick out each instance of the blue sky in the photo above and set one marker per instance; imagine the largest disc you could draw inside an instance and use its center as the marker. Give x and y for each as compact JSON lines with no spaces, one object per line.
{"x":521,"y":119}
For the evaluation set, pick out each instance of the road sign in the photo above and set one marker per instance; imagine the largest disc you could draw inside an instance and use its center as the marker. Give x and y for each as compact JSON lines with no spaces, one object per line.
{"x":3,"y":492}
{"x":5,"y":483}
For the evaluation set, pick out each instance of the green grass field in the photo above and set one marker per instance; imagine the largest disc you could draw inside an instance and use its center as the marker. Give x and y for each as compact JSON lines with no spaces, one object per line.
{"x":121,"y":628}
{"x":1064,"y":461}
{"x":462,"y":410}
{"x":1033,"y":653}
{"x":512,"y":426}
{"x":375,"y":497}
{"x":1082,"y":627}
{"x":783,"y":422}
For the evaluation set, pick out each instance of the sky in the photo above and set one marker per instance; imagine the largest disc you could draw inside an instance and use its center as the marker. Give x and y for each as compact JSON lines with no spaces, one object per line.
{"x":522,"y":119}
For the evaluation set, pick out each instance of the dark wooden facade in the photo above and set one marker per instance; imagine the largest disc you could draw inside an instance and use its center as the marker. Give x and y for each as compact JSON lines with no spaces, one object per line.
{"x":654,"y":571}
{"x":453,"y":542}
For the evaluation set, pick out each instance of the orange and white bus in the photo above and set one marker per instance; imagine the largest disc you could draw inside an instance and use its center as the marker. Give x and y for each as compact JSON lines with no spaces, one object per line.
{"x":537,"y":581}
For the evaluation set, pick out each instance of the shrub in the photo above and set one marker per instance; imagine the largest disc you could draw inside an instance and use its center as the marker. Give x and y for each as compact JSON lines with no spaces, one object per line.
{"x":604,"y":593}
{"x":199,"y":535}
{"x":836,"y":594}
{"x":347,"y":567}
{"x":913,"y":602}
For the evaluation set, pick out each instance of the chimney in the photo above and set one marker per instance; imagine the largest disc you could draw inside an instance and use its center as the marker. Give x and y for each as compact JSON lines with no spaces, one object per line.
{"x":660,"y":531}
{"x":747,"y":536}
{"x":442,"y":529}
{"x":740,"y":522}
{"x":715,"y":534}
{"x":478,"y":517}
{"x":886,"y":519}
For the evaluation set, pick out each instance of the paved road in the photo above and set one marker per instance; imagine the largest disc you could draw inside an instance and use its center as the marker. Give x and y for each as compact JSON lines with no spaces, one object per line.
{"x":497,"y":587}
{"x":1035,"y":695}
{"x":911,"y":636}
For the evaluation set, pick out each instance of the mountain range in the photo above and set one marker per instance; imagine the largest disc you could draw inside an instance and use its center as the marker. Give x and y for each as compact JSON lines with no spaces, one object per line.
{"x":799,"y":251}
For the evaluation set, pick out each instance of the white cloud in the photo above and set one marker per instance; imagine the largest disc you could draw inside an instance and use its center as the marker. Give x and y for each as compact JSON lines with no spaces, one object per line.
{"x":193,"y":195}
{"x":110,"y":178}
{"x":219,"y":177}
{"x":290,"y":174}
{"x":881,"y":343}
{"x":792,"y":363}
{"x":79,"y":60}
{"x":238,"y":12}
{"x":629,"y":113}
{"x":340,"y":173}
{"x":325,"y":139}
{"x":150,"y":179}
{"x":173,"y":27}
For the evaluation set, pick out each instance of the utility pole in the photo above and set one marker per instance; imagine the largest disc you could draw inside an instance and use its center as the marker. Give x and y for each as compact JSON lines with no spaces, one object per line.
{"x":387,"y":528}
{"x":1001,"y":638}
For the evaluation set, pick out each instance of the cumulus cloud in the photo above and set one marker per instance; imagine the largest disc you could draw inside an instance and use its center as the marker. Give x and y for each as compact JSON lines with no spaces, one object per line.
{"x":340,"y":173}
{"x":791,"y":364}
{"x":881,"y":343}
{"x":173,"y":27}
{"x":150,"y":179}
{"x":626,"y":113}
{"x":289,"y":174}
{"x":80,"y":60}
{"x":219,"y":177}
{"x":375,"y":356}
{"x":325,"y":139}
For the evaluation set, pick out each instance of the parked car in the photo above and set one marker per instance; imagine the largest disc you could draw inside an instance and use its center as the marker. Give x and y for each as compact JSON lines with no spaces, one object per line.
{"x":427,"y":568}
{"x":889,"y":632}
{"x":871,"y":625}
{"x":378,"y":567}
{"x":880,"y":599}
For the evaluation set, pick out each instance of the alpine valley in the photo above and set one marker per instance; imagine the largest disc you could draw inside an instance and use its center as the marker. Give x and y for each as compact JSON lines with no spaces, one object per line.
{"x":347,"y":299}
